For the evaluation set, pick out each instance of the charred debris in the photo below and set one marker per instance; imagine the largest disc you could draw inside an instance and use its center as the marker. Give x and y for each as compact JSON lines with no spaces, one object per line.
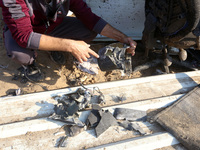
{"x":70,"y":106}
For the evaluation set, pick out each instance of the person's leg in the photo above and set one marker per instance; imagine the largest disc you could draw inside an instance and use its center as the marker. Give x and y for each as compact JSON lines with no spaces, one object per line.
{"x":23,"y":56}
{"x":72,"y":28}
{"x":19,"y":54}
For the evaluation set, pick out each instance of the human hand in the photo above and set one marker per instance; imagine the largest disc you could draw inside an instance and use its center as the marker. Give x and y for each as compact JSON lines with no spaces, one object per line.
{"x":132,"y":44}
{"x":81,"y":51}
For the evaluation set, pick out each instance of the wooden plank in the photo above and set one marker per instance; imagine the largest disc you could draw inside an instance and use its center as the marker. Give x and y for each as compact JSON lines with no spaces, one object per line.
{"x":21,"y":128}
{"x":186,"y":79}
{"x":156,"y":88}
{"x":157,"y":140}
{"x":38,"y":105}
{"x":42,"y":124}
{"x":43,"y":140}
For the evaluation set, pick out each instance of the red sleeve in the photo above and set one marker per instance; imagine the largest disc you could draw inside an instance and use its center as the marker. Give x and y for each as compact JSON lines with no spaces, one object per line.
{"x":84,"y":13}
{"x":16,"y":16}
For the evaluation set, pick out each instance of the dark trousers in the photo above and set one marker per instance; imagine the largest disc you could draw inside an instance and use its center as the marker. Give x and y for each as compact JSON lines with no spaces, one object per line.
{"x":70,"y":28}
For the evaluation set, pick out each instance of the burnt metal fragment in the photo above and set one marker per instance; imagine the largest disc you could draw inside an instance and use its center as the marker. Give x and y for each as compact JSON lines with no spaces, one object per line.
{"x":131,"y":126}
{"x":126,"y":125}
{"x":111,"y":58}
{"x":107,"y":120}
{"x":129,"y":114}
{"x":94,"y":117}
{"x":62,"y":141}
{"x":100,"y":120}
{"x":74,"y":130}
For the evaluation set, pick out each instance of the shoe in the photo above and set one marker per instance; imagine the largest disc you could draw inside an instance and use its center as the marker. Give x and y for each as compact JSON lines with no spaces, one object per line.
{"x":58,"y":57}
{"x":32,"y":73}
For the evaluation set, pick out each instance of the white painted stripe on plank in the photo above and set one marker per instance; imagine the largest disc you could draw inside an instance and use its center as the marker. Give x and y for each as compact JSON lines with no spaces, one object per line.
{"x":149,"y":142}
{"x":41,"y":104}
{"x":113,"y":84}
{"x":21,"y":128}
{"x":35,"y":105}
{"x":149,"y":104}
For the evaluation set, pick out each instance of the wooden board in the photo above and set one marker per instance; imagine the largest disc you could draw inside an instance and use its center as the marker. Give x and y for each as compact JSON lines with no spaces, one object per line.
{"x":39,"y":105}
{"x":24,"y":124}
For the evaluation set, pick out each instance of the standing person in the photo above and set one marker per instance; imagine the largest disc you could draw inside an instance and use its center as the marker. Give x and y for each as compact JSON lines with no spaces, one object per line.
{"x":32,"y":25}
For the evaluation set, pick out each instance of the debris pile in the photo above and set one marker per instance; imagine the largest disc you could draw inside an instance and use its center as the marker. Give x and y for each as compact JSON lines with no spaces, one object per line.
{"x":128,"y":118}
{"x":100,"y":120}
{"x":70,"y":105}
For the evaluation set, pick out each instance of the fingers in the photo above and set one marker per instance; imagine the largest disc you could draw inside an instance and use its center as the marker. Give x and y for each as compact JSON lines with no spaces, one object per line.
{"x":79,"y":60}
{"x":94,"y":53}
{"x":90,"y":51}
{"x":85,"y":55}
{"x":131,"y":51}
{"x":132,"y":48}
{"x":133,"y":44}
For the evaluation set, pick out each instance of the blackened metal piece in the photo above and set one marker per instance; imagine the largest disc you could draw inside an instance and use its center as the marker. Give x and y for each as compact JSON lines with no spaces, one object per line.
{"x":66,"y":108}
{"x":131,"y":126}
{"x":82,"y":97}
{"x":137,"y":127}
{"x":107,"y":120}
{"x":65,"y":111}
{"x":129,"y":114}
{"x":68,"y":121}
{"x":72,"y":108}
{"x":14,"y":92}
{"x":126,"y":125}
{"x":62,"y":142}
{"x":101,"y":97}
{"x":111,"y":58}
{"x":75,"y":130}
{"x":94,"y":117}
{"x":86,"y":100}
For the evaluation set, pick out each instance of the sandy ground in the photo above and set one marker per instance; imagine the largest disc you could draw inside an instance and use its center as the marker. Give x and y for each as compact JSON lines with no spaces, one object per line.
{"x":68,"y":75}
{"x":56,"y":76}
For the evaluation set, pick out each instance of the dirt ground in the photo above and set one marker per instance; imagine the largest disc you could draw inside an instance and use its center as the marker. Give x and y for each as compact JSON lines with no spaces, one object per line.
{"x":57,"y":77}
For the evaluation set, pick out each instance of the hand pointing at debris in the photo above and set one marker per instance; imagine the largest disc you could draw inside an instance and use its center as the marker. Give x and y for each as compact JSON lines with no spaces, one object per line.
{"x":79,"y":49}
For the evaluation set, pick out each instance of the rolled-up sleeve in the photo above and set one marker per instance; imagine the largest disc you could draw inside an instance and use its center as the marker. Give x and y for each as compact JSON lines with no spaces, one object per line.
{"x":84,"y":13}
{"x":16,"y":17}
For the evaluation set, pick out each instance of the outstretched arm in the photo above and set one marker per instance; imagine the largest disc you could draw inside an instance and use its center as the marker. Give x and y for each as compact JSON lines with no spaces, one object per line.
{"x":79,"y":49}
{"x":113,"y":33}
